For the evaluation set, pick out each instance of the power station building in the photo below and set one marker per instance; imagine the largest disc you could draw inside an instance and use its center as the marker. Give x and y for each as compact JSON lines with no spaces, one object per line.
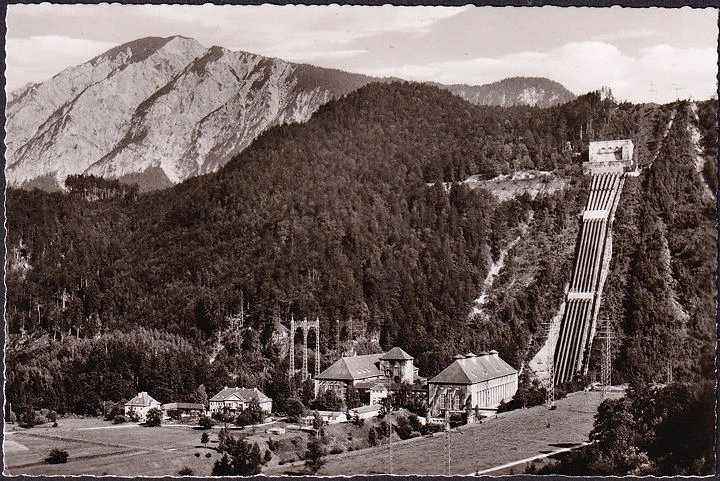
{"x":373,"y":375}
{"x":479,"y":381}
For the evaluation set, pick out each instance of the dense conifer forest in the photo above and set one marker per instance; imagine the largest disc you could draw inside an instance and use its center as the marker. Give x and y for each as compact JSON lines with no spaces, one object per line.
{"x":360,"y":214}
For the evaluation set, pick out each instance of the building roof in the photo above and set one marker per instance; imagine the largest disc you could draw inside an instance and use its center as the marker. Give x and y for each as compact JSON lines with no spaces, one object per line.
{"x":352,"y":368}
{"x":143,"y":399}
{"x":471,"y":370}
{"x":396,"y":354}
{"x":189,"y":406}
{"x":366,"y":409}
{"x":241,"y":394}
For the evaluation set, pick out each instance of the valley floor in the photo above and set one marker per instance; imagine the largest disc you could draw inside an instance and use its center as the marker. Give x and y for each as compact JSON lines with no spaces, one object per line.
{"x":96,"y":447}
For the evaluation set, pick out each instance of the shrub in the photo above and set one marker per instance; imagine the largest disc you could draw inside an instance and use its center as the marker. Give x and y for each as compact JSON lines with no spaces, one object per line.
{"x":112,"y":410}
{"x":154,"y":417}
{"x":244,"y":419}
{"x":197,"y":455}
{"x":204,"y":439}
{"x":11,"y":417}
{"x":268,"y":456}
{"x":51,"y":416}
{"x":57,"y":456}
{"x":415,"y":423}
{"x":119,"y":419}
{"x":207,"y":455}
{"x":205,"y":422}
{"x":185,"y":471}
{"x":29,"y":417}
{"x":403,"y":428}
{"x":336,"y":450}
{"x":431,"y":428}
{"x":175,"y":414}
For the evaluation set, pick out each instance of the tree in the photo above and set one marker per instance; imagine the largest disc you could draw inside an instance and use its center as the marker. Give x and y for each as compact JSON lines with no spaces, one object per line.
{"x":244,"y":459}
{"x":257,"y":415}
{"x":222,"y":467}
{"x":205,"y":422}
{"x":318,"y":422}
{"x":201,"y":395}
{"x":372,"y":437}
{"x":314,"y":456}
{"x":328,"y":401}
{"x":294,"y":409}
{"x":204,"y":439}
{"x":352,"y":398}
{"x":153,"y":417}
{"x":268,"y":456}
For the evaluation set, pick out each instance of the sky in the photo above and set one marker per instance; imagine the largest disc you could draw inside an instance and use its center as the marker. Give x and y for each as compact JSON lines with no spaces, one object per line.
{"x":649,"y":54}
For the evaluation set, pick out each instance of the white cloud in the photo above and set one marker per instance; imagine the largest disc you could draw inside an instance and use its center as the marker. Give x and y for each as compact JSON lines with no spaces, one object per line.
{"x":586,"y":66}
{"x":37,"y":58}
{"x":627,"y":34}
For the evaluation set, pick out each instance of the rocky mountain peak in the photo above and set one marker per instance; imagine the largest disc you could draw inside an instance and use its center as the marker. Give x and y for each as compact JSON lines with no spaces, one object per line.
{"x":157,"y":111}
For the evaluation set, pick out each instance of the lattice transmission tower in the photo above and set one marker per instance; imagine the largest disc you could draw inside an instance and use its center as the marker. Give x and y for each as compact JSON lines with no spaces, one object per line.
{"x":606,"y":335}
{"x":552,"y":335}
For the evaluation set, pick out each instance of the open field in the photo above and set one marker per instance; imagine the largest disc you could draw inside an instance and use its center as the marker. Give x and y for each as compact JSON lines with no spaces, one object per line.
{"x":98,"y":447}
{"x":512,"y":436}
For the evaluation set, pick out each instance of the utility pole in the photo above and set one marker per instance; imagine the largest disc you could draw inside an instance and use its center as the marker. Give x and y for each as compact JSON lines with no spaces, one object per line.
{"x":447,"y":430}
{"x":291,"y":354}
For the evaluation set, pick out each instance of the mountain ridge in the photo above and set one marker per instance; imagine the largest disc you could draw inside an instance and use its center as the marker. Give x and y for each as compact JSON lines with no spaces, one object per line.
{"x":158,"y":110}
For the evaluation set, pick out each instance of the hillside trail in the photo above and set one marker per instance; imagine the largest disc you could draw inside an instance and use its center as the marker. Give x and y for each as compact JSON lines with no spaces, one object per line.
{"x":496,"y":267}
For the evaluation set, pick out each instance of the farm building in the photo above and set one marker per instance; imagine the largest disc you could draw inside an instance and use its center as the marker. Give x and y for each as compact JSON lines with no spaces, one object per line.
{"x":479,"y":381}
{"x":365,"y":412}
{"x":373,"y":375}
{"x":185,"y":408}
{"x":141,"y":404}
{"x":233,"y":399}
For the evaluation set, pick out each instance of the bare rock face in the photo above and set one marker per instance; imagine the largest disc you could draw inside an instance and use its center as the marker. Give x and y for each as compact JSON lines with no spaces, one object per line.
{"x":533,"y":91}
{"x":157,"y":111}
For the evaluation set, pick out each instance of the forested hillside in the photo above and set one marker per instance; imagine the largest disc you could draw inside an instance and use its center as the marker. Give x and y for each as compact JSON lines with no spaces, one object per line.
{"x":345,"y":217}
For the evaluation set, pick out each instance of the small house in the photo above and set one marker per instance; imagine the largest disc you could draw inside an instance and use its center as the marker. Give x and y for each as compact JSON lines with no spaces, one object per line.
{"x":235,"y":399}
{"x":140,"y":405}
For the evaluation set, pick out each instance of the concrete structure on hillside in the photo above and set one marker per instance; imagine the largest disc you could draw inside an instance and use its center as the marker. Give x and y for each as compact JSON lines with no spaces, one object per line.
{"x":480,"y":381}
{"x":375,"y":376}
{"x":609,"y":162}
{"x":612,"y":155}
{"x":232,"y":399}
{"x":140,"y":405}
